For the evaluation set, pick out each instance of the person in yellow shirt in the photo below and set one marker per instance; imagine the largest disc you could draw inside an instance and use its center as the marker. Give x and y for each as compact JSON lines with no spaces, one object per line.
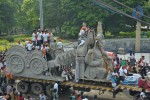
{"x":13,"y":94}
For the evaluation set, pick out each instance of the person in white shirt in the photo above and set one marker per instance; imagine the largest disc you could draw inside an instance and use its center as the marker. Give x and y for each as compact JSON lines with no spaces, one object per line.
{"x":64,"y":75}
{"x":42,"y":96}
{"x":55,"y":92}
{"x":2,"y":98}
{"x":34,"y":37}
{"x":115,"y":63}
{"x":115,"y":74}
{"x":46,"y":36}
{"x":142,"y":94}
{"x":86,"y":98}
{"x":1,"y":64}
{"x":59,"y":44}
{"x":20,"y":44}
{"x":56,"y":86}
{"x":39,"y":37}
{"x":142,"y":65}
{"x":26,"y":42}
{"x":9,"y":89}
{"x":81,"y":33}
{"x":122,"y":73}
{"x":29,"y":46}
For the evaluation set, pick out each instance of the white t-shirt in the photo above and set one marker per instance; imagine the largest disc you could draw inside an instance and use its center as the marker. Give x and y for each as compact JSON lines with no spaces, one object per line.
{"x":42,"y":97}
{"x":142,"y":95}
{"x":56,"y":86}
{"x":39,"y":36}
{"x":114,"y":74}
{"x":29,"y":46}
{"x":81,"y":32}
{"x":2,"y":98}
{"x":122,"y":71}
{"x":33,"y":37}
{"x":20,"y":45}
{"x":85,"y":99}
{"x":26,"y":42}
{"x":45,"y":36}
{"x":1,"y":65}
{"x":8,"y":89}
{"x":115,"y":63}
{"x":5,"y":63}
{"x":59,"y":44}
{"x":63,"y":74}
{"x":47,"y":48}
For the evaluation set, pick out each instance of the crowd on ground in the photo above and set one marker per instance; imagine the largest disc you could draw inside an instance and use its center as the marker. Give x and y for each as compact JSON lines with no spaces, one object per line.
{"x":128,"y":67}
{"x":75,"y":95}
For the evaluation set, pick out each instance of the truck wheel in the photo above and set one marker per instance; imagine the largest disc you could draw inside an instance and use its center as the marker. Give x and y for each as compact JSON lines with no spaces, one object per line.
{"x":23,"y":87}
{"x":36,"y":88}
{"x":49,"y":90}
{"x":136,"y":97}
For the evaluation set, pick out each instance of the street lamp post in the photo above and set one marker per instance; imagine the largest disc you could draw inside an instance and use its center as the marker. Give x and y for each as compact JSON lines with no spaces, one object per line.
{"x":41,"y":15}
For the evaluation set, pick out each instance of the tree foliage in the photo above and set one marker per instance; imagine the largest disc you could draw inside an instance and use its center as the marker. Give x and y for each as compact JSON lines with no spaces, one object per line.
{"x":67,"y":16}
{"x":7,"y":15}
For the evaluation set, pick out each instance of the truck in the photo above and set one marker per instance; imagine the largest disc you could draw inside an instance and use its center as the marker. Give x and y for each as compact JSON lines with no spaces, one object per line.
{"x":92,"y":65}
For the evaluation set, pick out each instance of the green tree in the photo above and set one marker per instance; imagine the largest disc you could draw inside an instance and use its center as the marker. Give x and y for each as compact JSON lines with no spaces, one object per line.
{"x":29,"y":15}
{"x":7,"y":15}
{"x":80,"y":11}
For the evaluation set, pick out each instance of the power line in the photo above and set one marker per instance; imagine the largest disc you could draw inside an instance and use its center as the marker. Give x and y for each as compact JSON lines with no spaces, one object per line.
{"x":117,"y":10}
{"x":128,"y":7}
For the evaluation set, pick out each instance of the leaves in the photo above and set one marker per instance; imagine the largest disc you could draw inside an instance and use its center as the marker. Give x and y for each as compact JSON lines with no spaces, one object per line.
{"x":67,"y":16}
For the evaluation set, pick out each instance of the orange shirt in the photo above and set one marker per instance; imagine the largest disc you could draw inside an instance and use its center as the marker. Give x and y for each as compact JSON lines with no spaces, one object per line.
{"x":44,"y":51}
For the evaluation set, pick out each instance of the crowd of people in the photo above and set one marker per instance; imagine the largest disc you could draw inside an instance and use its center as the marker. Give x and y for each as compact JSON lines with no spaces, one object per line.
{"x":128,"y":67}
{"x":42,"y":40}
{"x":124,"y":67}
{"x":75,"y":95}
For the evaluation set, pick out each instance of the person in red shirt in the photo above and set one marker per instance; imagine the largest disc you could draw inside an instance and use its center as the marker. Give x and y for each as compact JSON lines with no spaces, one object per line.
{"x":20,"y":97}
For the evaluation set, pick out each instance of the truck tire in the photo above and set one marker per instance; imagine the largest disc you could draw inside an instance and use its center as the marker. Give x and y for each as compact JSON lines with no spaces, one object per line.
{"x":136,"y":97}
{"x":23,"y":87}
{"x":36,"y":88}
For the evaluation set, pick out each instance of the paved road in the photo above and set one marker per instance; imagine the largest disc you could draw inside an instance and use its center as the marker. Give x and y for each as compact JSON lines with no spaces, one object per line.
{"x":105,"y":96}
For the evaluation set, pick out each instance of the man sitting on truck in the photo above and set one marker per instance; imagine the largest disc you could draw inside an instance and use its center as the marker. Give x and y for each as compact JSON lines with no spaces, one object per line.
{"x":64,"y":74}
{"x":29,"y":46}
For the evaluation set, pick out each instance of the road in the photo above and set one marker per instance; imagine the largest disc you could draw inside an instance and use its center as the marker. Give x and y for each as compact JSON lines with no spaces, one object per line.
{"x":105,"y":96}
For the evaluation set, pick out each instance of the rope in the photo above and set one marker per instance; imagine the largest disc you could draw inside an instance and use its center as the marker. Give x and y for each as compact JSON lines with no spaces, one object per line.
{"x":118,"y":11}
{"x":128,"y":7}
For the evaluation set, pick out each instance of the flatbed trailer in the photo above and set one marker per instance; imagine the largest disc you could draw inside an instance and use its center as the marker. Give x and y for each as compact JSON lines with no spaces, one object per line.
{"x":48,"y":86}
